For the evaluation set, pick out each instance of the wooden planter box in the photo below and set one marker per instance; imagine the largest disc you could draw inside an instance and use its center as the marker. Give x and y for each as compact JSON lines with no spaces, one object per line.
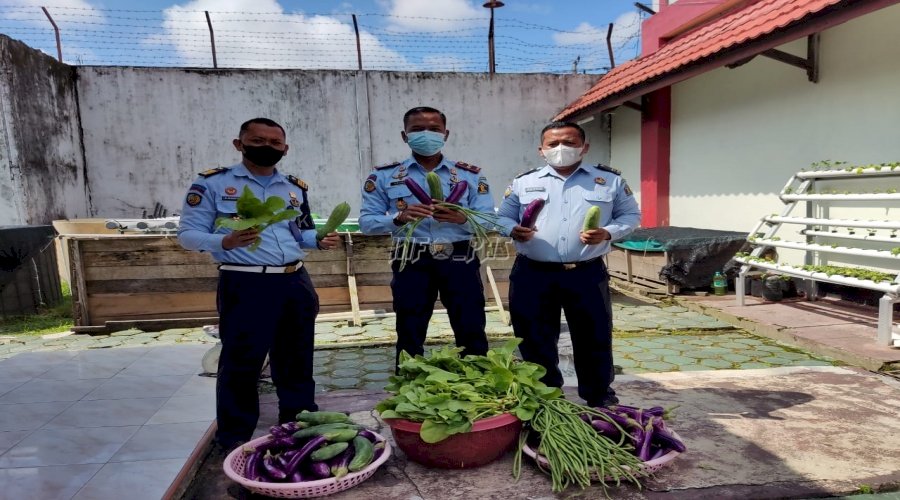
{"x":641,"y":268}
{"x":121,"y":277}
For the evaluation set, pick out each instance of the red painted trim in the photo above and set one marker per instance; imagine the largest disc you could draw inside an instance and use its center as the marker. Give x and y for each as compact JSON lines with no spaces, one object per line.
{"x":829,"y":18}
{"x":656,"y":122}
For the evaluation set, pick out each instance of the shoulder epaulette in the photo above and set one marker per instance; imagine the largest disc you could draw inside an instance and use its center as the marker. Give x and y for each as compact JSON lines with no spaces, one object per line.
{"x":213,"y":171}
{"x":297,"y":182}
{"x":528,"y":172}
{"x":609,"y":169}
{"x":466,"y":166}
{"x":386,"y":165}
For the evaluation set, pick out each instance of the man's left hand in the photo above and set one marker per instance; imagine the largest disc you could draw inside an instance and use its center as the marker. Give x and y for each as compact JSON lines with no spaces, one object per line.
{"x":330,"y":241}
{"x":595,"y":236}
{"x":444,"y":214}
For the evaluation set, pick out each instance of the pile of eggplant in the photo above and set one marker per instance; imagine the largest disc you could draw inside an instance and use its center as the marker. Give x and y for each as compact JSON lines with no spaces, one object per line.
{"x":319,"y":445}
{"x":644,"y":429}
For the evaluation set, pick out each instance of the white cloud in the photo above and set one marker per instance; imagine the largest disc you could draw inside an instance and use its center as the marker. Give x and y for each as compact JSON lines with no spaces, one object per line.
{"x":271,"y":38}
{"x":435,"y":15}
{"x":66,"y":14}
{"x":625,"y":27}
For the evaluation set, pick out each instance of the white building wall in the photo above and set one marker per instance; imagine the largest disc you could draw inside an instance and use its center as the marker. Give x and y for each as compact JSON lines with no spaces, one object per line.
{"x":148,"y":131}
{"x":625,"y":147}
{"x":738,"y":134}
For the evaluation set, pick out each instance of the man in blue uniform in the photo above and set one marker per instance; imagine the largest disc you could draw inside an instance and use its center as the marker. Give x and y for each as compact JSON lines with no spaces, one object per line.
{"x":559,"y":266}
{"x":443,"y":259}
{"x":266,"y":301}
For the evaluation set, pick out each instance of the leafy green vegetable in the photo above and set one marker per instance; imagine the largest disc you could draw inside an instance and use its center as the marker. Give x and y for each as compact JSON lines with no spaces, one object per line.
{"x":254,"y":213}
{"x":448,"y":393}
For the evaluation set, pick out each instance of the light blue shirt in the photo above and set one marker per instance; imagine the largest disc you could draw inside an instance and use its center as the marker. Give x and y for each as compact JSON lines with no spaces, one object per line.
{"x":566,"y":202}
{"x":384,"y":194}
{"x":214,"y":194}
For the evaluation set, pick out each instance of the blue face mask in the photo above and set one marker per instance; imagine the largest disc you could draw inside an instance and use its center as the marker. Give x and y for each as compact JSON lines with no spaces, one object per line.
{"x":426,"y":142}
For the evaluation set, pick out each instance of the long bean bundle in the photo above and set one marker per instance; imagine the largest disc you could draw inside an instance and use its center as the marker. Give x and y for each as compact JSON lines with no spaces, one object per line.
{"x":575,"y":451}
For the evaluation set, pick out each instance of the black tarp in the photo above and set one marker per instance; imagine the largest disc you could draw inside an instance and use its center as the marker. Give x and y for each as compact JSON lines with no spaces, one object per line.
{"x":694,"y":254}
{"x":28,"y":273}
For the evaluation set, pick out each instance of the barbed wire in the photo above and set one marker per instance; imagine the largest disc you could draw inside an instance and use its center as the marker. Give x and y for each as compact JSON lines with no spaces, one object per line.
{"x":314,"y":41}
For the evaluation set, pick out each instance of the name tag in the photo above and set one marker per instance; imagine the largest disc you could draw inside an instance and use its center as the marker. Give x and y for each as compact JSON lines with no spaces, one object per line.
{"x":229,"y":198}
{"x":535,"y":188}
{"x":397,"y":183}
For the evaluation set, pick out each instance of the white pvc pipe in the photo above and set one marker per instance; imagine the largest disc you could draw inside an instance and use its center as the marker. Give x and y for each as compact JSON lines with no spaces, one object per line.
{"x":868,"y":172}
{"x":845,"y":236}
{"x":841,"y":197}
{"x":893,"y":288}
{"x":874,"y":224}
{"x":797,"y":245}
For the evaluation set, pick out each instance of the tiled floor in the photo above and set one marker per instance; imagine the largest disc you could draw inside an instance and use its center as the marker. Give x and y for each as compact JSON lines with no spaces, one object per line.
{"x":100,"y":424}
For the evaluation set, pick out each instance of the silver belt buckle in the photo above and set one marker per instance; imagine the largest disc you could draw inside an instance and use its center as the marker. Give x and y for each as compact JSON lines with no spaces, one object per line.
{"x":569,"y":267}
{"x":441,"y":250}
{"x":291,"y":268}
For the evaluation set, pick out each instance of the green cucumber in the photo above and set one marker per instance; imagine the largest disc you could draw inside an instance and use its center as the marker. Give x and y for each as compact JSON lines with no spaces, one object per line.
{"x":328,"y":452}
{"x":323,"y":417}
{"x":365,"y":452}
{"x":591,"y":219}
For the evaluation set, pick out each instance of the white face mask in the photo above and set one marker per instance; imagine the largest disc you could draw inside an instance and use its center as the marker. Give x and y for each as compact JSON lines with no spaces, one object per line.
{"x":562,"y":156}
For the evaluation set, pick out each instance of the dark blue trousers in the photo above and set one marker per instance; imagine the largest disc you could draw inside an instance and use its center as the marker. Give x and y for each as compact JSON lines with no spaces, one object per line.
{"x":458,"y":280}
{"x":538,"y":292}
{"x":262,"y":314}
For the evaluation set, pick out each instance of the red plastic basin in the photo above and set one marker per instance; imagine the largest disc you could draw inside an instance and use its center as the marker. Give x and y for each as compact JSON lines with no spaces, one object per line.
{"x":488,"y":440}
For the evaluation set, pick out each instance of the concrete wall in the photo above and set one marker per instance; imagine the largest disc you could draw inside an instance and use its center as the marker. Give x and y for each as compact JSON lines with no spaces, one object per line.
{"x":41,"y":163}
{"x":148,"y":131}
{"x":739,"y":134}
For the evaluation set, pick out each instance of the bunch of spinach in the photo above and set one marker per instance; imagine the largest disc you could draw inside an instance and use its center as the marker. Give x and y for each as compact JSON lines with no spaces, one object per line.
{"x":254,"y":213}
{"x":448,"y":393}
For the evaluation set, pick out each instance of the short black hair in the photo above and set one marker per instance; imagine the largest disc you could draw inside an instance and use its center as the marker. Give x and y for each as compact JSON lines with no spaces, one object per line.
{"x":262,"y":121}
{"x":422,"y":109}
{"x":556,"y":125}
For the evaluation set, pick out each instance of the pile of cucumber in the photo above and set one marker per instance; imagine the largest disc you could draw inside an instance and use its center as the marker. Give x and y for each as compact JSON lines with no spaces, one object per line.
{"x":319,"y":445}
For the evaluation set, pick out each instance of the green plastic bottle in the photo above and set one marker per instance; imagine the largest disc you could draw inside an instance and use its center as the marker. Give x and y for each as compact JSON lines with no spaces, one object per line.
{"x":720,"y":284}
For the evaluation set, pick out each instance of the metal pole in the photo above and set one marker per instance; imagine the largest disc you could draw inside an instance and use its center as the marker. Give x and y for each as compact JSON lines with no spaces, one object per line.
{"x":358,"y":49}
{"x":212,"y":39}
{"x":56,"y":30}
{"x":612,"y":59}
{"x":492,"y":67}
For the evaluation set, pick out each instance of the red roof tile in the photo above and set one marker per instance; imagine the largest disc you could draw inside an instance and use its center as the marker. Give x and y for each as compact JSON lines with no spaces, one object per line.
{"x":733,"y":29}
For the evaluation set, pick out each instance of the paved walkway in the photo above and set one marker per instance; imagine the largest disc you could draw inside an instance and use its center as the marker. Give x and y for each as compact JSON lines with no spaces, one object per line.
{"x":52,"y":398}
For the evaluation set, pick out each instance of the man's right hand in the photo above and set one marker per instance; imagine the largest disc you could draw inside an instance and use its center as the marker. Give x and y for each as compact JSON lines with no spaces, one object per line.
{"x":521,"y":233}
{"x":242,"y":238}
{"x":416,"y":211}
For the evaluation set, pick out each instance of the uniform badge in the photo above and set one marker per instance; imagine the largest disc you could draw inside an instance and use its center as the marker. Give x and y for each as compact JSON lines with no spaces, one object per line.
{"x":401,"y":172}
{"x":294,"y":201}
{"x":627,"y":190}
{"x":193,"y":199}
{"x":600,"y":180}
{"x":401,"y":204}
{"x":507,"y":192}
{"x":198,"y":188}
{"x":482,"y":187}
{"x":231,"y":190}
{"x":369,"y":186}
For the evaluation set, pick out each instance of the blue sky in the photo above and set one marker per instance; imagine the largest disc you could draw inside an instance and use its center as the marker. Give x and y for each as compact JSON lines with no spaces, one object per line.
{"x":408,"y":35}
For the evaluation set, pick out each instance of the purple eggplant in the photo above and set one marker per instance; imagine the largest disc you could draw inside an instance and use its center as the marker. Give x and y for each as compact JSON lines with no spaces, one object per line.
{"x":277,"y":431}
{"x":606,"y":428}
{"x":366,"y":433}
{"x":643,"y":452}
{"x":272,"y":468}
{"x":456,"y":194}
{"x":417,"y":191}
{"x":585,"y":417}
{"x":664,"y":438}
{"x":297,"y":477}
{"x":615,"y":417}
{"x":379,"y":450}
{"x":251,"y":466}
{"x":304,"y":452}
{"x":339,"y":465}
{"x":530,"y":215}
{"x":320,"y":469}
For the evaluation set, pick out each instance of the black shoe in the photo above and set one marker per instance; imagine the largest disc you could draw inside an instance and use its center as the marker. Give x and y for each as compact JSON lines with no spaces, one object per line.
{"x":605,"y":403}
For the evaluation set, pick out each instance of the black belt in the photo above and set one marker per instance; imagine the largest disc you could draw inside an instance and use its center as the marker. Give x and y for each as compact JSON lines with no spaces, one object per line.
{"x":558,"y":266}
{"x":445,"y":249}
{"x":290,"y":267}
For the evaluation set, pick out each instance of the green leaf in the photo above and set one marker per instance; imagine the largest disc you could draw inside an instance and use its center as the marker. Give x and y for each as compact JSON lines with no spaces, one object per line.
{"x":433,"y":432}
